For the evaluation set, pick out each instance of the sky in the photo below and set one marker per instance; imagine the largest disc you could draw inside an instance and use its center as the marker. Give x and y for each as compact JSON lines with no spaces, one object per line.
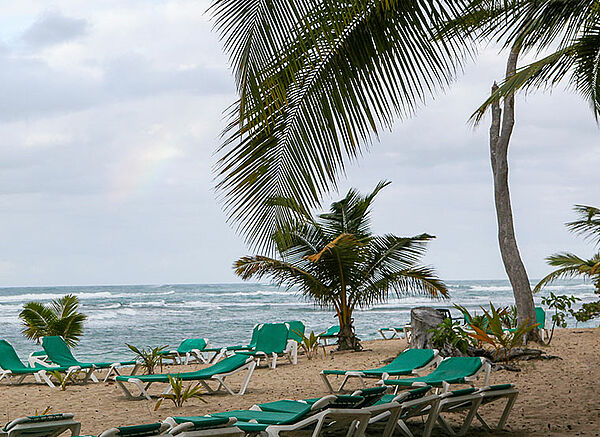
{"x":111,"y":112}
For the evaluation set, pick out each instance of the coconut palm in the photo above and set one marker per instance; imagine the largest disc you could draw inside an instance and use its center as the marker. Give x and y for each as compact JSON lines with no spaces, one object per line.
{"x":570,"y":265}
{"x":59,"y":317}
{"x":336,"y":261}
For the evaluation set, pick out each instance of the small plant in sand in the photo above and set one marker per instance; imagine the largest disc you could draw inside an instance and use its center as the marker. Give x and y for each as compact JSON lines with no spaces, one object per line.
{"x":61,"y":378}
{"x":310,"y":344}
{"x":450,"y":333}
{"x":501,"y":340}
{"x":478,"y":320}
{"x":562,"y":306}
{"x":179,"y":394}
{"x":43,"y":412}
{"x":149,"y":357}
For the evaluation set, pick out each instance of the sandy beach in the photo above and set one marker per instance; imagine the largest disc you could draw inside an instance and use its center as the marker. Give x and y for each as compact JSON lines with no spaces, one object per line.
{"x":557,"y":397}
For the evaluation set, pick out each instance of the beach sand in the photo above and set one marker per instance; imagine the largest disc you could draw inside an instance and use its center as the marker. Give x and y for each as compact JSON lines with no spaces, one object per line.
{"x":557,"y":397}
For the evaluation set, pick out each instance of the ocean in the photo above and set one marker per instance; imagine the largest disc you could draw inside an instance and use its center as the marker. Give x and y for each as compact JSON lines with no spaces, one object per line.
{"x":157,"y":315}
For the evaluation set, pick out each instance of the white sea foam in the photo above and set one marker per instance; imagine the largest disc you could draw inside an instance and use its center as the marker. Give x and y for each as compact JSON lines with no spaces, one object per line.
{"x":49,"y":296}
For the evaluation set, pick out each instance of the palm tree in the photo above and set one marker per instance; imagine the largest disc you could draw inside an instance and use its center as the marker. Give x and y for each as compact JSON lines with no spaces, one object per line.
{"x":570,"y":265}
{"x":336,"y":261}
{"x":318,"y":79}
{"x":60,"y":317}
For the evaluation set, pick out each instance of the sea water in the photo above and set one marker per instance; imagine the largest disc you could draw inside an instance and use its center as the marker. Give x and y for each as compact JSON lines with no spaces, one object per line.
{"x":158,"y":315}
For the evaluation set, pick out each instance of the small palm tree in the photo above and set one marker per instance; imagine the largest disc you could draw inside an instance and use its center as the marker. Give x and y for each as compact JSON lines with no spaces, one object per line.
{"x":60,"y":317}
{"x":336,"y":261}
{"x":570,"y":265}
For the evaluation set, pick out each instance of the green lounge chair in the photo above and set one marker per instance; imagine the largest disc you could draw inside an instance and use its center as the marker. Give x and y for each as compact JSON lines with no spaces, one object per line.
{"x":409,"y":362}
{"x":189,"y":349}
{"x":396,"y":332}
{"x":230,"y":350}
{"x":200,"y":426}
{"x":396,"y":409}
{"x":540,"y":316}
{"x":295,"y":333}
{"x":331,"y":333}
{"x":59,"y":353}
{"x":324,"y":413}
{"x":49,"y":425}
{"x":217,"y":372}
{"x":11,"y":367}
{"x":271,"y":340}
{"x":147,"y":430}
{"x":452,"y":370}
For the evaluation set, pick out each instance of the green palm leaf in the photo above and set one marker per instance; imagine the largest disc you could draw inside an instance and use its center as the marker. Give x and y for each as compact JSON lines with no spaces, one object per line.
{"x":326,"y":78}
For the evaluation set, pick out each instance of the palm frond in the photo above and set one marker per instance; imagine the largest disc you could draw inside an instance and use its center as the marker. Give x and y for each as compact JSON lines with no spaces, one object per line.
{"x":345,"y":71}
{"x":588,"y":224}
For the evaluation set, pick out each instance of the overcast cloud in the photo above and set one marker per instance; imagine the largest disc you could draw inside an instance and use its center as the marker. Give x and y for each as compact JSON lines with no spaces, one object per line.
{"x":110,"y":113}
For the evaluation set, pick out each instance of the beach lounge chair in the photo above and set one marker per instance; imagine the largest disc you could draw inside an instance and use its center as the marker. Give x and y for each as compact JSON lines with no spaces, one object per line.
{"x":452,"y":370}
{"x":287,"y":416}
{"x":540,"y":316}
{"x":493,"y":393}
{"x":147,"y":430}
{"x":189,"y":349}
{"x":396,"y":409}
{"x":59,"y":353}
{"x":295,"y":333}
{"x":331,"y":334}
{"x":409,"y":362}
{"x":217,"y":372}
{"x":13,"y":369}
{"x":271,"y":341}
{"x":220,"y":352}
{"x":200,"y":426}
{"x":49,"y":425}
{"x":396,"y":332}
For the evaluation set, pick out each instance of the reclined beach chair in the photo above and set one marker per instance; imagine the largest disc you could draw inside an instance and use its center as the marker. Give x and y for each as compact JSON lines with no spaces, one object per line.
{"x":396,"y":409}
{"x":295,"y":333}
{"x":12,"y":368}
{"x":147,"y":430}
{"x":271,"y":341}
{"x":452,"y":370}
{"x":217,"y":372}
{"x":189,"y":349}
{"x":493,"y":393}
{"x":331,"y":334}
{"x":220,"y":352}
{"x":59,"y":353}
{"x":409,"y":362}
{"x":49,"y":425}
{"x":396,"y":332}
{"x":200,"y":426}
{"x":271,"y":419}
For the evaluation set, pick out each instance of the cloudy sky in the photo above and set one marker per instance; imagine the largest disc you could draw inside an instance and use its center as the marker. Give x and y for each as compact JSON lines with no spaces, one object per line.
{"x":110,"y":113}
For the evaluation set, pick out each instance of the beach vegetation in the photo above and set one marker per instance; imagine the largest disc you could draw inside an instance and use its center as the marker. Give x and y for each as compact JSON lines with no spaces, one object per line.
{"x":60,"y":317}
{"x":45,"y":411}
{"x":310,"y":344}
{"x":179,"y":393}
{"x":335,"y":260}
{"x":562,"y":305}
{"x":450,"y":333}
{"x":61,"y":378}
{"x":149,"y":357}
{"x":502,"y":340}
{"x":570,"y":265}
{"x":474,"y":319}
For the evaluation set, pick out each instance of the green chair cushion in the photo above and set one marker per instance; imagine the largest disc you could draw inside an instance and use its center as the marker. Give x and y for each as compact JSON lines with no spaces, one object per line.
{"x":452,"y":370}
{"x":202,"y":422}
{"x":403,"y":364}
{"x":140,"y":430}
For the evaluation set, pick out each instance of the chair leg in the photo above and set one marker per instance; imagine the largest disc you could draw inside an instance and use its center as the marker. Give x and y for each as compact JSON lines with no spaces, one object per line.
{"x":327,"y":383}
{"x":507,"y":410}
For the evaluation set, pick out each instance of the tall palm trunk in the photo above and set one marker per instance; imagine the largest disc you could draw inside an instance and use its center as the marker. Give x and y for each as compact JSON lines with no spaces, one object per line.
{"x":500,"y":133}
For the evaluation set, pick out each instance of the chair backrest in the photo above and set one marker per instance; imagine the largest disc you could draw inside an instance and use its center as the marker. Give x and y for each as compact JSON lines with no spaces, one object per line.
{"x":189,"y":344}
{"x":9,"y":360}
{"x":272,"y":338}
{"x":332,"y":331}
{"x":226,"y":365}
{"x":58,"y":351}
{"x":411,"y":359}
{"x":540,"y":316}
{"x":297,"y":327}
{"x":49,"y":425}
{"x":149,"y":429}
{"x":457,"y":367}
{"x":254,"y":335}
{"x":370,"y":396}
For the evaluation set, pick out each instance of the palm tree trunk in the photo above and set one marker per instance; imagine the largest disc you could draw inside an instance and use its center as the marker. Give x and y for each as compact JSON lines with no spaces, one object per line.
{"x":347,"y":339}
{"x":500,"y":134}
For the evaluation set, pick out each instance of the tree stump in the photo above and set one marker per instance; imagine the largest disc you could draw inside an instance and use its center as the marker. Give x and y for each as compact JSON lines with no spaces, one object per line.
{"x":421,"y":320}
